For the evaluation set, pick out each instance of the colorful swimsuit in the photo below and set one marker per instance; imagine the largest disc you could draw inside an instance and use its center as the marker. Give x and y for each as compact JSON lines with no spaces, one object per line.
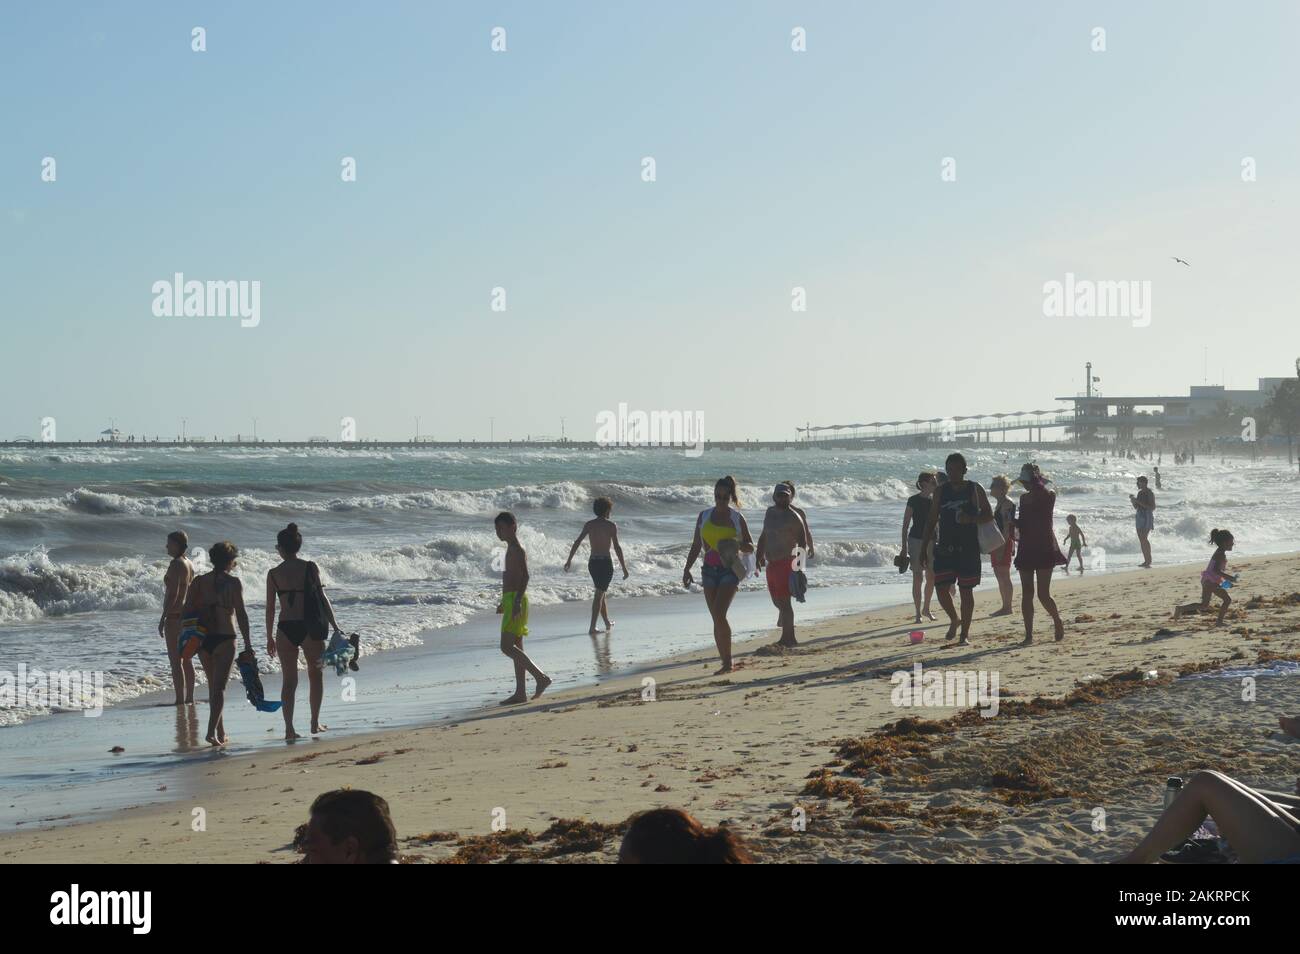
{"x":1212,"y":574}
{"x":715,"y":573}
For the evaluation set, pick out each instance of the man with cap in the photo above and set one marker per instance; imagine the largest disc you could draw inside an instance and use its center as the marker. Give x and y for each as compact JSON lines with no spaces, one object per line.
{"x":783,"y":539}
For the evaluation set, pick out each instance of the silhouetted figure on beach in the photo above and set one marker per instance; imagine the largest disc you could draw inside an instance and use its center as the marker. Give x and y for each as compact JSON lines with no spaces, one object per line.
{"x":960,"y":506}
{"x":722,"y":534}
{"x":1144,"y":505}
{"x":514,"y":610}
{"x":176,"y":586}
{"x":306,"y":616}
{"x":217,"y":599}
{"x":603,"y":535}
{"x":1039,"y":553}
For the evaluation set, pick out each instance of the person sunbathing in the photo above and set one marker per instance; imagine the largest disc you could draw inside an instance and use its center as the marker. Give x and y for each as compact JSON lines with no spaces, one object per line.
{"x":1259,"y":830}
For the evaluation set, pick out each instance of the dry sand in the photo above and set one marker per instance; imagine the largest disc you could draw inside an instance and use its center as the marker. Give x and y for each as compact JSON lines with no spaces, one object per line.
{"x":1079,"y":781}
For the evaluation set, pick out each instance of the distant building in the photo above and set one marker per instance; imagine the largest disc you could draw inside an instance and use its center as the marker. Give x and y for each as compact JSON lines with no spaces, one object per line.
{"x":1125,"y":417}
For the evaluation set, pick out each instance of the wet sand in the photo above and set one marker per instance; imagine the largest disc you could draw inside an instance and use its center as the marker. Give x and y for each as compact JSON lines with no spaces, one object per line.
{"x":791,"y":749}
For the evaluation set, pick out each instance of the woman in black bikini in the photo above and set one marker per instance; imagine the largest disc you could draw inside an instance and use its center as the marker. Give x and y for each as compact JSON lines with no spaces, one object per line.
{"x":217,"y":598}
{"x":287,"y":584}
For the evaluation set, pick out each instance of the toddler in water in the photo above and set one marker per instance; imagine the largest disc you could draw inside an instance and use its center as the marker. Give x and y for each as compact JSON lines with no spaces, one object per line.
{"x":1212,"y":579}
{"x":1078,"y":540}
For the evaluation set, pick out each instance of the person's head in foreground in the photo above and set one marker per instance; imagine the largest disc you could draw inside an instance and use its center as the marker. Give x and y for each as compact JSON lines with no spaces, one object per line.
{"x":601,"y":507}
{"x":1221,"y":538}
{"x":955,"y":466}
{"x":669,"y":836}
{"x":925,"y":482}
{"x":350,"y":827}
{"x":1071,"y":520}
{"x":177,"y":543}
{"x":1142,"y":482}
{"x":506,"y":526}
{"x":724,"y":491}
{"x":782,"y":494}
{"x":223,"y":556}
{"x":999,"y":486}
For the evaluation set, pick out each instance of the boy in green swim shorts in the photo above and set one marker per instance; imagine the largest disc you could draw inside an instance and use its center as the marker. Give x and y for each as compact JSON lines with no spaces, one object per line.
{"x":514,"y":610}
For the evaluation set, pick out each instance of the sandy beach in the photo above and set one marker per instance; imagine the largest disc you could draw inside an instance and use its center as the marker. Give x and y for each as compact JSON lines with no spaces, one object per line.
{"x":1082,"y":732}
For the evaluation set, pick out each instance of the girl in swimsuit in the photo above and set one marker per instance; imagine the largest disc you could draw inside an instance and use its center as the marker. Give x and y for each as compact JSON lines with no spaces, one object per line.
{"x":286,"y":585}
{"x":720,"y":522}
{"x":1004,"y":514}
{"x":218,"y":600}
{"x":1212,"y":578}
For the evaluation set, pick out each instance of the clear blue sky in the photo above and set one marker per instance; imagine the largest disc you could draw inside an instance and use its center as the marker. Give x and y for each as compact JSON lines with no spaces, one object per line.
{"x":775,"y":169}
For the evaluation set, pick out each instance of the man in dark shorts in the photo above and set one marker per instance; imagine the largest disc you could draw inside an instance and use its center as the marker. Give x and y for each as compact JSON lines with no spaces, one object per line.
{"x":959,"y":506}
{"x":603,"y":534}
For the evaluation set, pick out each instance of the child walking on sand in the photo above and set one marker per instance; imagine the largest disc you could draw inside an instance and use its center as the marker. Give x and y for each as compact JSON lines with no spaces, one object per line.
{"x":1078,"y":540}
{"x":514,"y":610}
{"x":1004,"y":514}
{"x":1212,"y":579}
{"x":604,"y":535}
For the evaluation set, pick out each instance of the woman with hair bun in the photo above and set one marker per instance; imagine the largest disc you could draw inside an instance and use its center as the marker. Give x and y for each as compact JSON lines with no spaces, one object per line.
{"x":305,"y":616}
{"x":669,"y":836}
{"x":723,"y":535}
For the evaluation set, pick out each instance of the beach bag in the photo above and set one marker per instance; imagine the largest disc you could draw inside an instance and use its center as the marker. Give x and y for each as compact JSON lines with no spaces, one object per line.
{"x":313,"y":604}
{"x":990,"y":537}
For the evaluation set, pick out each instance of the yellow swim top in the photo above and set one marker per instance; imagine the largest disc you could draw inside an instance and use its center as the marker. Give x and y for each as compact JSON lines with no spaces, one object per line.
{"x":711,"y":534}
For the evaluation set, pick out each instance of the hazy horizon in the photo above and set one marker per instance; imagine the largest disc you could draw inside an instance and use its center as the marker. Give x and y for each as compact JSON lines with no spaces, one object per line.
{"x":823,"y":169}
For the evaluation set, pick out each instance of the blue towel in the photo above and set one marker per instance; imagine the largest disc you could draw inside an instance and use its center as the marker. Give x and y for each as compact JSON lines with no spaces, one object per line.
{"x":252,"y":680}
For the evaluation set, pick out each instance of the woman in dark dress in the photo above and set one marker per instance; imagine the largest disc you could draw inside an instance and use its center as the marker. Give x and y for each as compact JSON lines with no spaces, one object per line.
{"x":1038,"y":553}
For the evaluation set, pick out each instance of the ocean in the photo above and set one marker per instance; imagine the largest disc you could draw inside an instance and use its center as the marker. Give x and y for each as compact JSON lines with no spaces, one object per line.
{"x":405,"y":541}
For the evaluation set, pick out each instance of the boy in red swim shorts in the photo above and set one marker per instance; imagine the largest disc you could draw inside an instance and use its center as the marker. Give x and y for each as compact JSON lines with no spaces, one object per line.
{"x":783,"y":537}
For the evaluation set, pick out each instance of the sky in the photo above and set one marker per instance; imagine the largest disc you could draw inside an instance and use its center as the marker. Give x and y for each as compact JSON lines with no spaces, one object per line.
{"x":775,"y":169}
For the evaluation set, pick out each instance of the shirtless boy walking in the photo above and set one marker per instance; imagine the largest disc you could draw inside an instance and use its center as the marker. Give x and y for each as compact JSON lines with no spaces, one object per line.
{"x":604,"y":535}
{"x":514,"y":610}
{"x":784,"y":536}
{"x":180,"y":574}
